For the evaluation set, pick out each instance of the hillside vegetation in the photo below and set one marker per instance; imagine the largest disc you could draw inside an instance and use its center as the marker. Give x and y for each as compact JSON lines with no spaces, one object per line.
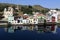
{"x":24,"y":8}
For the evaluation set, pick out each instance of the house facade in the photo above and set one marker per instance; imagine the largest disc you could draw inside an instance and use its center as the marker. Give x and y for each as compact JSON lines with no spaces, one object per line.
{"x":52,"y":15}
{"x":25,"y":19}
{"x":8,"y":12}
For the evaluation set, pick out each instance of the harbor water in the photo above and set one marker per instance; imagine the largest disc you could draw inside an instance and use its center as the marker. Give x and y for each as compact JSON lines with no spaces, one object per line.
{"x":25,"y":34}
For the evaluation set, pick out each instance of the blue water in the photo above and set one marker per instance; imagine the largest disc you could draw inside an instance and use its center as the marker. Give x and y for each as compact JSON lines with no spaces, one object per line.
{"x":29,"y":35}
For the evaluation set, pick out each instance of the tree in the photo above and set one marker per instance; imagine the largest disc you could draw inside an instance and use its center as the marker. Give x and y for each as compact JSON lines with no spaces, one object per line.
{"x":30,"y":6}
{"x":57,"y":9}
{"x":44,"y":11}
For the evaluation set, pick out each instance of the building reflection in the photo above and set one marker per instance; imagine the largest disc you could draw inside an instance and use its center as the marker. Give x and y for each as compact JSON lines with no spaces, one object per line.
{"x":37,"y":28}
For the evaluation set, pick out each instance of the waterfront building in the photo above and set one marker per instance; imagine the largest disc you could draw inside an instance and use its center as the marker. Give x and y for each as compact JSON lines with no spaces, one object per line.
{"x":55,"y":14}
{"x":35,"y":19}
{"x":48,"y":16}
{"x":10,"y":19}
{"x":39,"y":17}
{"x":25,"y":21}
{"x":8,"y":12}
{"x":31,"y":21}
{"x":20,"y":20}
{"x":25,"y":16}
{"x":14,"y":22}
{"x":51,"y":14}
{"x":58,"y":16}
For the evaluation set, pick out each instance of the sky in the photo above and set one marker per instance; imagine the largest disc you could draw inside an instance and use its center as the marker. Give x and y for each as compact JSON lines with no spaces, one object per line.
{"x":44,"y":3}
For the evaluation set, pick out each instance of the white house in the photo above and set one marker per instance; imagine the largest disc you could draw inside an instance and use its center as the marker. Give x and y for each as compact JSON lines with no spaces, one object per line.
{"x":10,"y":19}
{"x":20,"y":20}
{"x":35,"y":21}
{"x":55,"y":14}
{"x":25,"y":21}
{"x":52,"y":13}
{"x":31,"y":21}
{"x":8,"y":12}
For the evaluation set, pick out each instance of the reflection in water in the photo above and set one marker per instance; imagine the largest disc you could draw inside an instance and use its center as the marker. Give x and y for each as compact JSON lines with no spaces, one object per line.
{"x":31,"y":28}
{"x":55,"y":29}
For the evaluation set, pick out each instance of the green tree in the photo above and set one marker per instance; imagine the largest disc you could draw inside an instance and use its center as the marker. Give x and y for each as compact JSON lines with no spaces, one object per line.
{"x":57,"y":9}
{"x":44,"y":11}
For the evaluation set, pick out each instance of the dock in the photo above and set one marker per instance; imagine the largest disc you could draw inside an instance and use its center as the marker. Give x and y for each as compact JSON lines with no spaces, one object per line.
{"x":3,"y":25}
{"x":6,"y":24}
{"x":39,"y":24}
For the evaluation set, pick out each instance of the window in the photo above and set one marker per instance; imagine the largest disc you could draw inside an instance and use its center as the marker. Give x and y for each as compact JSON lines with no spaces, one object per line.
{"x":12,"y":20}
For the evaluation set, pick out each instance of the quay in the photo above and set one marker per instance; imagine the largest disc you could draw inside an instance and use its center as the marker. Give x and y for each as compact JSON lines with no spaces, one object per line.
{"x":40,"y":24}
{"x":3,"y":25}
{"x":6,"y":24}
